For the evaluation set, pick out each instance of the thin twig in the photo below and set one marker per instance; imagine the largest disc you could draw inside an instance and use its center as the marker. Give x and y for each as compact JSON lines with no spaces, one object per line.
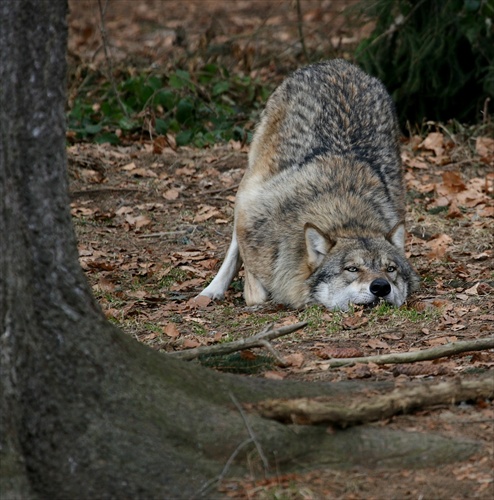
{"x":215,"y":191}
{"x":395,"y":26}
{"x":485,"y":111}
{"x":82,"y":192}
{"x":414,"y":356}
{"x":255,"y":341}
{"x":164,"y":233}
{"x":104,"y":37}
{"x":251,"y":433}
{"x":276,"y":355}
{"x":216,"y":480}
{"x":300,"y":26}
{"x":251,"y":439}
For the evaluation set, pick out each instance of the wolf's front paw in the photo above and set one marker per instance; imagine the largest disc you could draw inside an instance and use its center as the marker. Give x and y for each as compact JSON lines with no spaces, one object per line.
{"x":212,"y":293}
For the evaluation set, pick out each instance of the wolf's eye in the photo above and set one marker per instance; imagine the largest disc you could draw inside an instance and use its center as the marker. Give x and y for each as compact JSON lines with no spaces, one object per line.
{"x":391,"y":269}
{"x":351,"y":269}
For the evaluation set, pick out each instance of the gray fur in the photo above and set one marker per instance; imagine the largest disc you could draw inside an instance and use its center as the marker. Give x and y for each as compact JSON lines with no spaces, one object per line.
{"x":323,"y":192}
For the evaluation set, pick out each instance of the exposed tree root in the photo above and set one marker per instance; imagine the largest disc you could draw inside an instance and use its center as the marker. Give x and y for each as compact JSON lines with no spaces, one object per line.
{"x":369,"y":408}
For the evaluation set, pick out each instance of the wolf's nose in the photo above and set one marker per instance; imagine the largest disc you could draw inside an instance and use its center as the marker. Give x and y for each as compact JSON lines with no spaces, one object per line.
{"x":380,"y":287}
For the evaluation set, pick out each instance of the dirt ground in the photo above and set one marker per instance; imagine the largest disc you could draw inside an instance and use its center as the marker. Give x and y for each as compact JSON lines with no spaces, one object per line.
{"x":153,"y":229}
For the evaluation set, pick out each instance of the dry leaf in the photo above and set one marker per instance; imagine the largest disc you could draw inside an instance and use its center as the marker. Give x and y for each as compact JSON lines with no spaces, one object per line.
{"x":124,"y":210}
{"x":171,"y":194}
{"x":248,"y":355}
{"x":486,"y":317}
{"x":205,"y":213}
{"x":453,"y":182}
{"x":150,"y":336}
{"x":143,"y":172}
{"x":441,"y":340}
{"x":439,"y":245}
{"x":377,"y":344}
{"x":454,"y":212}
{"x":105,"y":285}
{"x":353,"y":322}
{"x":187,"y":284}
{"x":191,"y":343}
{"x":159,"y":143}
{"x":137,"y":222}
{"x":484,"y":289}
{"x":360,"y":370}
{"x":92,"y":176}
{"x":434,"y":142}
{"x":200,"y":301}
{"x":129,"y":167}
{"x":486,"y":212}
{"x":473,"y":290}
{"x":185,"y":171}
{"x":339,"y":352}
{"x":424,"y":368}
{"x":296,"y":360}
{"x":171,"y":330}
{"x":484,"y":147}
{"x":418,"y":163}
{"x":421,"y":305}
{"x":272,"y":375}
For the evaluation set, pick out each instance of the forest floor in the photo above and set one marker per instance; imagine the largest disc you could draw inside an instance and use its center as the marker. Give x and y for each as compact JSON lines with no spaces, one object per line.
{"x":153,"y":225}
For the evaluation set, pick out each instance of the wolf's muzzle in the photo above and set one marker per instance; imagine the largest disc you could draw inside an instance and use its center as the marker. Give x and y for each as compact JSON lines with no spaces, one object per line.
{"x":380,"y":287}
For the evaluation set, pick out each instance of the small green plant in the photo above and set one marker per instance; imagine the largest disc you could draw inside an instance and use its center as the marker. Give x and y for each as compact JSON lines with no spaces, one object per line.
{"x":203,"y":108}
{"x":385,"y":310}
{"x":176,"y":275}
{"x":319,"y":317}
{"x":152,"y":327}
{"x":313,"y":315}
{"x":198,"y":329}
{"x":238,"y":363}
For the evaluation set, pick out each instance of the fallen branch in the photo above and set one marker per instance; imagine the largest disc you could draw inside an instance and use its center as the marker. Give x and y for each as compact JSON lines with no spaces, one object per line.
{"x":164,"y":233}
{"x":414,"y":356}
{"x":258,"y":340}
{"x":369,"y":408}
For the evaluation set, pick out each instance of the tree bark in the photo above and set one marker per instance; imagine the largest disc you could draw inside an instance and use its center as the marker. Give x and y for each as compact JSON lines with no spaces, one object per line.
{"x":87,"y":412}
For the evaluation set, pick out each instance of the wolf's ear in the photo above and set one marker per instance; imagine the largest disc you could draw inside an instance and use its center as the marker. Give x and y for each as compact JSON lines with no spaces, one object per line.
{"x":397,"y":236}
{"x":317,"y":244}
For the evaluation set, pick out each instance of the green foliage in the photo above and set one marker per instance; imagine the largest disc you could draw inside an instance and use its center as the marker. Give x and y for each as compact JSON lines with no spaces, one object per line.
{"x":385,"y":310}
{"x":203,"y":108}
{"x":317,"y":317}
{"x":176,"y":275}
{"x":436,"y":57}
{"x":238,"y":362}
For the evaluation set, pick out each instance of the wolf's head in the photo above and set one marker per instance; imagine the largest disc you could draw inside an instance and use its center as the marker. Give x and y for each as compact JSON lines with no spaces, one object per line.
{"x":358,"y":270}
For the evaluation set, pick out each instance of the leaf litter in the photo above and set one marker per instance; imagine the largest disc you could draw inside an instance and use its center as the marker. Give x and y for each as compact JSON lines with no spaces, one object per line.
{"x":154,"y":220}
{"x":148,"y":285}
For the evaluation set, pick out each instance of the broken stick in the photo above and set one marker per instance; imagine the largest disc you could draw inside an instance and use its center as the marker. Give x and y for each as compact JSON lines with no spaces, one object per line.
{"x":258,"y":340}
{"x":414,"y":356}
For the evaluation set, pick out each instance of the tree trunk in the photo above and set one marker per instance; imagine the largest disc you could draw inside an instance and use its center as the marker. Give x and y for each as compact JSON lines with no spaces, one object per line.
{"x":87,"y":412}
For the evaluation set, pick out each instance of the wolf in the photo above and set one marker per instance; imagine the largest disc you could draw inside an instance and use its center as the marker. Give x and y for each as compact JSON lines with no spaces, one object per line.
{"x":320,"y":211}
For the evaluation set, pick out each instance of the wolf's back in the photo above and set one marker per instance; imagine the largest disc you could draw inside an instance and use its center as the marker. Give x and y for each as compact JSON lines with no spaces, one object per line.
{"x":331,"y":109}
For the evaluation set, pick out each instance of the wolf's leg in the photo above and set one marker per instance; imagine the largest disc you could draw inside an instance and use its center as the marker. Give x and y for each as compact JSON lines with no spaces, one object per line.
{"x":254,"y":291}
{"x":228,"y":270}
